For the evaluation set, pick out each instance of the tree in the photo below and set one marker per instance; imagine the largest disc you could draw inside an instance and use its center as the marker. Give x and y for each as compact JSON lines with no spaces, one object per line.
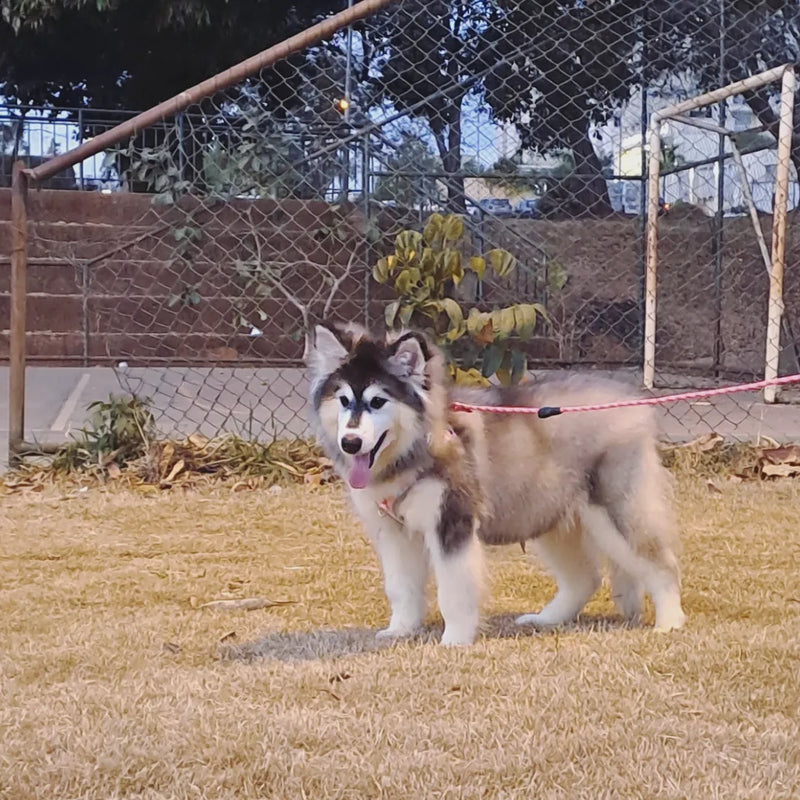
{"x":721,"y":41}
{"x":411,"y":155}
{"x":134,"y":53}
{"x":563,"y":67}
{"x":430,"y":54}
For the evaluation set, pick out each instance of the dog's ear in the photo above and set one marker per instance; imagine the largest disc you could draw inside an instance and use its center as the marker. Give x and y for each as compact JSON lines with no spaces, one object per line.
{"x":325,"y":351}
{"x":408,"y":356}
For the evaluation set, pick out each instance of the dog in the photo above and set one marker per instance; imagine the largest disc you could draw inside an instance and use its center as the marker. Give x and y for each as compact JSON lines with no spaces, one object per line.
{"x":432,"y":485}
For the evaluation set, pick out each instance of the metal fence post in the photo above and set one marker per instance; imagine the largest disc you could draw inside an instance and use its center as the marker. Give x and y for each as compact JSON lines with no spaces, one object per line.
{"x":775,"y":309}
{"x":651,"y":257}
{"x":19,"y":274}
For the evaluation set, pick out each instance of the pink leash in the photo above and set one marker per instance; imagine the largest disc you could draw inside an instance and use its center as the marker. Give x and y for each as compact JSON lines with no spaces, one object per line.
{"x":552,"y":411}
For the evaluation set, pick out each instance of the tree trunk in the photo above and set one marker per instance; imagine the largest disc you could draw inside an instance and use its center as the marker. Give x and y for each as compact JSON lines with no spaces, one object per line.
{"x":584,"y":192}
{"x":447,"y":134}
{"x":588,"y":186}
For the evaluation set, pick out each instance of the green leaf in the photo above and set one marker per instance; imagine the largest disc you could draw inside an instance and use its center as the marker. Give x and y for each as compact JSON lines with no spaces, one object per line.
{"x":519,"y":366}
{"x":407,"y":280}
{"x":433,"y":228}
{"x":502,"y":262}
{"x":453,"y":227}
{"x":492,"y":359}
{"x":406,"y":313}
{"x":467,"y":377}
{"x":407,"y":245}
{"x":455,"y":316}
{"x":390,"y":313}
{"x":556,"y":276}
{"x":452,"y":265}
{"x":478,"y":266}
{"x":504,"y":370}
{"x":503,"y":322}
{"x":381,"y":270}
{"x":525,"y":319}
{"x":427,"y":261}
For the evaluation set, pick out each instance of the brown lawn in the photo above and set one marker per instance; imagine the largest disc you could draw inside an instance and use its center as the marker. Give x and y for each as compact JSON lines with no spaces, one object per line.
{"x":117,"y":683}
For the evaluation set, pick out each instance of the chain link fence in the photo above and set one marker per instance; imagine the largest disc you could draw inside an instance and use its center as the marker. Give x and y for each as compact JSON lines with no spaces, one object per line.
{"x":307,"y":188}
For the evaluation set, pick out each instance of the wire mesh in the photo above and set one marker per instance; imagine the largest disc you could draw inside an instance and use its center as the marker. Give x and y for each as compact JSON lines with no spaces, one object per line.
{"x":229,"y":224}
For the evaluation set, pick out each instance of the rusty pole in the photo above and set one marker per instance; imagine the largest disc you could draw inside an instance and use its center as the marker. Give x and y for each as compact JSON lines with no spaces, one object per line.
{"x":775,"y":309}
{"x":19,"y":275}
{"x":651,"y":253}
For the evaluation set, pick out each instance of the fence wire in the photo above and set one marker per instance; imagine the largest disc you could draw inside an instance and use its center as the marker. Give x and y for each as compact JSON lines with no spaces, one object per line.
{"x":216,"y":234}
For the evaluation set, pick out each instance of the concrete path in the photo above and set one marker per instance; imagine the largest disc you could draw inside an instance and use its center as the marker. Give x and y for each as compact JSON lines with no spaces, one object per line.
{"x":270,"y":403}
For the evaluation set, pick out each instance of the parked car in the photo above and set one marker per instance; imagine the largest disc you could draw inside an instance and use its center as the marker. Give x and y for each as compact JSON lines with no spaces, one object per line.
{"x":528,"y":209}
{"x":495,"y":207}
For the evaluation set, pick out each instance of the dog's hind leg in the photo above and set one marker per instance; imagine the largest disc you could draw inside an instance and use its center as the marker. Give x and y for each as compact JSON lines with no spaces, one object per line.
{"x":565,"y":554}
{"x":657,"y":570}
{"x":626,"y":591}
{"x":405,"y":574}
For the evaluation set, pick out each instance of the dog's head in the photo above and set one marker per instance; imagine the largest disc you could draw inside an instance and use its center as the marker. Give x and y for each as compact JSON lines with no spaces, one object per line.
{"x":370,"y":396}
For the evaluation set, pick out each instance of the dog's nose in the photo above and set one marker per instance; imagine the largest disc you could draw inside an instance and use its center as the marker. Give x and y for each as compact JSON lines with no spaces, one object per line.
{"x":351,"y":444}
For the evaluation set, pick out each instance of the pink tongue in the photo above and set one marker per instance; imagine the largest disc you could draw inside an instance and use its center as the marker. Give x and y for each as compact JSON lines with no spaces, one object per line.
{"x":359,"y":474}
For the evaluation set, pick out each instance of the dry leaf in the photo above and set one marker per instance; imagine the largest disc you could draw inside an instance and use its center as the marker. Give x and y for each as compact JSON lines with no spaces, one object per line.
{"x":704,"y":443}
{"x":166,"y":457}
{"x":782,"y":455}
{"x":194,"y":602}
{"x":246,"y":603}
{"x":179,"y":465}
{"x":113,"y":470}
{"x":171,"y":647}
{"x":712,"y":487}
{"x":198,"y":441}
{"x":780,"y":470}
{"x":227,"y":637}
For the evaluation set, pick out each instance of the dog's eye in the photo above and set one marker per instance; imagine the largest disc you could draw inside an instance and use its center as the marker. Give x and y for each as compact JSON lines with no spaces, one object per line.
{"x":344,"y":401}
{"x":377,"y":402}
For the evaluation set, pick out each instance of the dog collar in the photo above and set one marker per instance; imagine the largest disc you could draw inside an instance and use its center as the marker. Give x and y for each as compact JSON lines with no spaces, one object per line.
{"x":387,"y":506}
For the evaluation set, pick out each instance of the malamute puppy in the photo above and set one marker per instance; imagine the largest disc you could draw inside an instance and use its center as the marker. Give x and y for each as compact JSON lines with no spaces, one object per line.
{"x":431,"y":484}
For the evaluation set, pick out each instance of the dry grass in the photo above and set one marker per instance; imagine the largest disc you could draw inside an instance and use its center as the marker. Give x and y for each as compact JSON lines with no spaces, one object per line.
{"x":116,"y":683}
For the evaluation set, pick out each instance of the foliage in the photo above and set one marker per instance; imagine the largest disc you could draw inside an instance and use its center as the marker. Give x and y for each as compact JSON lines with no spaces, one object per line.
{"x":136,"y":53}
{"x":119,"y":430}
{"x":430,"y":52}
{"x":412,"y":155}
{"x":423,"y":269}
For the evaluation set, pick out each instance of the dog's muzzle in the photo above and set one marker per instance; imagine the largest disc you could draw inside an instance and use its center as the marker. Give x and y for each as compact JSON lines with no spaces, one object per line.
{"x":362,"y":462}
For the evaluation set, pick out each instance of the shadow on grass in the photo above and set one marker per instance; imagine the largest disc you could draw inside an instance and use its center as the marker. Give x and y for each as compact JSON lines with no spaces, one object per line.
{"x":330,"y":644}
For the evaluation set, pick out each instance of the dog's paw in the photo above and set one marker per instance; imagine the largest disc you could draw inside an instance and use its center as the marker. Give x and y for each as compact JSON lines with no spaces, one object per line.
{"x":674,"y":620}
{"x":456,"y":638}
{"x":537,"y":620}
{"x":396,"y":632}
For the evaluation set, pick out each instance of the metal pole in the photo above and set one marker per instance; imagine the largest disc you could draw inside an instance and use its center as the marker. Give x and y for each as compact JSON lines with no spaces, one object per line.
{"x":651,"y":259}
{"x":19,"y":272}
{"x":719,"y":217}
{"x":348,"y":80}
{"x":642,"y":233}
{"x":775,"y":309}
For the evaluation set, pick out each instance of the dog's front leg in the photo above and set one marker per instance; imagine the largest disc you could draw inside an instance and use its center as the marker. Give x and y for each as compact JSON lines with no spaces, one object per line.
{"x":405,"y":574}
{"x":445,"y":519}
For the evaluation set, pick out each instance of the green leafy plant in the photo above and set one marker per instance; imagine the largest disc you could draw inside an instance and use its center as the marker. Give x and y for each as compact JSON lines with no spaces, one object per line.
{"x":119,"y":430}
{"x":424,"y":269}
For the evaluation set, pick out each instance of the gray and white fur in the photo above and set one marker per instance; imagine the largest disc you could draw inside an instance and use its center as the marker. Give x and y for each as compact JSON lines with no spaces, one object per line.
{"x":431,"y":485}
